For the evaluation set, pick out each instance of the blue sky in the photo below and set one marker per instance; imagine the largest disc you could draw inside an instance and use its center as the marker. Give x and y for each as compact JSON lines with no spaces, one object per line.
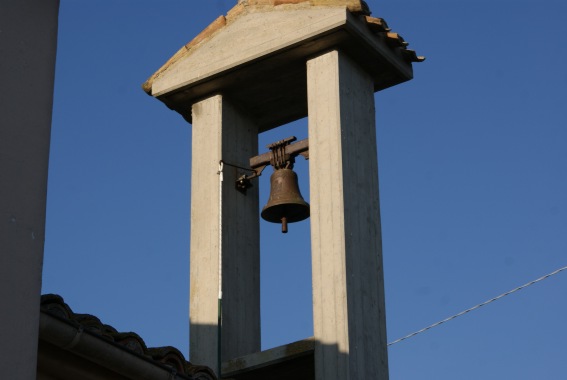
{"x":472,"y":167}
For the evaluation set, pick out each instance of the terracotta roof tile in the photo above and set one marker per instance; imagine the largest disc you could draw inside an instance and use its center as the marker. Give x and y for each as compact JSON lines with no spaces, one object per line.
{"x":55,"y":305}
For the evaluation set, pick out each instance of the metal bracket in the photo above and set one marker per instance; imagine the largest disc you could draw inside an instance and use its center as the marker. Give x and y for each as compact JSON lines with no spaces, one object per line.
{"x":281,"y":159}
{"x":243,"y":182}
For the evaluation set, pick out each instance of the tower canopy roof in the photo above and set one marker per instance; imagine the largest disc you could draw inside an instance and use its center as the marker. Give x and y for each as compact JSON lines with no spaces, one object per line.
{"x":256,"y":56}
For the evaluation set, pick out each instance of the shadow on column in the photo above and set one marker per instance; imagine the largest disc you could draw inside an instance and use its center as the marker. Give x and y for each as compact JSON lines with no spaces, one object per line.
{"x":292,"y":361}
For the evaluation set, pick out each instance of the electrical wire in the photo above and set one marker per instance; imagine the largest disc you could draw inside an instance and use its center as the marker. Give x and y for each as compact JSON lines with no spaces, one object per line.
{"x":478,"y":306}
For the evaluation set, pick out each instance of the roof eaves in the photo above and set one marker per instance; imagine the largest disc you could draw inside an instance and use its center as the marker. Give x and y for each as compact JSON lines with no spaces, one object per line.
{"x":60,"y":326}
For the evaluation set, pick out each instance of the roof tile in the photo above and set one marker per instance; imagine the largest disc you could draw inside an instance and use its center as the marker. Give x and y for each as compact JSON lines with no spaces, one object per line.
{"x":55,"y":305}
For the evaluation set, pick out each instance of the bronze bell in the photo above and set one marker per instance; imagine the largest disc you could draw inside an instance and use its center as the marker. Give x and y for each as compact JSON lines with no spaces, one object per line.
{"x":285,"y":205}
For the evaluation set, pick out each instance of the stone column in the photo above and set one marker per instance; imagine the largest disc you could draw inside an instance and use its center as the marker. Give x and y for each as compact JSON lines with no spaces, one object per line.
{"x":28,"y":40}
{"x":221,"y":132}
{"x":348,"y":286}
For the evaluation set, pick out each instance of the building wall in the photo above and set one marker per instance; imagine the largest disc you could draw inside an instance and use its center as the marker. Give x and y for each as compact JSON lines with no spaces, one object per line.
{"x":28,"y":38}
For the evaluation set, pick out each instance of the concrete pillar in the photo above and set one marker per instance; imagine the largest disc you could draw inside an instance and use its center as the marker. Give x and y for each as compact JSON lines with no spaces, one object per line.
{"x":221,"y":132}
{"x":348,"y":290}
{"x":28,"y":39}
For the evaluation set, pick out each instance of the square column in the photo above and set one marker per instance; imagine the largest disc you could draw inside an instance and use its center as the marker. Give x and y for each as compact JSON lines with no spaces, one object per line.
{"x":222,"y":132}
{"x":348,"y":286}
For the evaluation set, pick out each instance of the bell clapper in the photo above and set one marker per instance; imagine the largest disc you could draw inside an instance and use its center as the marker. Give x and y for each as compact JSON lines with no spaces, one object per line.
{"x":284,"y":225}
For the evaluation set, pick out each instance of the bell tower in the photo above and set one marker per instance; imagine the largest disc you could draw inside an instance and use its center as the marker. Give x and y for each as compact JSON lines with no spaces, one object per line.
{"x":267,"y":63}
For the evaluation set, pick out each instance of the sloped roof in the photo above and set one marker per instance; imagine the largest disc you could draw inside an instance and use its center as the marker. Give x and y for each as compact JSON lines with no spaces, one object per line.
{"x":55,"y":311}
{"x":357,"y":7}
{"x":256,"y":57}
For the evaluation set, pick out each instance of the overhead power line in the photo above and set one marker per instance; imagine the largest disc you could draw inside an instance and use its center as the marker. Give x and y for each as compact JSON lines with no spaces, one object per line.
{"x":478,"y":306}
